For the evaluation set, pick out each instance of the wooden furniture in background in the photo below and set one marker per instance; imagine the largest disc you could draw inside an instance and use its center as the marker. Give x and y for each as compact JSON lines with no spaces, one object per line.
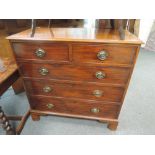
{"x":76,"y":72}
{"x":10,"y":27}
{"x":7,"y":79}
{"x":119,"y":24}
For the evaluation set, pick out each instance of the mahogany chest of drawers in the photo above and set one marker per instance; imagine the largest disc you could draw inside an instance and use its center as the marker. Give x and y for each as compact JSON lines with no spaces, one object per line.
{"x":76,"y":72}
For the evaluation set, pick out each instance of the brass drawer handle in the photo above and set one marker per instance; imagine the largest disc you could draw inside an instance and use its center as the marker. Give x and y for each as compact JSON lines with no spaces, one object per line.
{"x":47,"y":89}
{"x":43,"y":71}
{"x":102,"y":55}
{"x":50,"y":106}
{"x":97,"y":93}
{"x":95,"y":110}
{"x":40,"y":53}
{"x":100,"y":75}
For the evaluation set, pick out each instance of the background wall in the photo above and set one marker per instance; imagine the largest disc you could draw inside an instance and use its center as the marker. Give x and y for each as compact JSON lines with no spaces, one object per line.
{"x":144,"y":29}
{"x":150,"y":44}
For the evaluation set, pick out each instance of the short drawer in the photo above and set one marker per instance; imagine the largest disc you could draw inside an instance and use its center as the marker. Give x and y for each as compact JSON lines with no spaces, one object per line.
{"x":41,"y":51}
{"x":115,"y":75}
{"x":108,"y":53}
{"x":81,"y":91}
{"x":76,"y":107}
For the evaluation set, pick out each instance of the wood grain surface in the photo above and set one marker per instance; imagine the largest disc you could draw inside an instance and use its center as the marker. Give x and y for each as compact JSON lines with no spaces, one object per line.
{"x":82,"y":91}
{"x":74,"y":107}
{"x":76,"y":35}
{"x":113,"y":75}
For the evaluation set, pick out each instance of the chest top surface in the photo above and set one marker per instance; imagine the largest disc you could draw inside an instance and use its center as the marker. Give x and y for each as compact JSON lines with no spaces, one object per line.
{"x":76,"y":35}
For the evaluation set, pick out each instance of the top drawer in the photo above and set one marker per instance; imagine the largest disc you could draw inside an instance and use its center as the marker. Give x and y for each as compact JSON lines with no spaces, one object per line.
{"x":41,"y":51}
{"x":112,"y":53}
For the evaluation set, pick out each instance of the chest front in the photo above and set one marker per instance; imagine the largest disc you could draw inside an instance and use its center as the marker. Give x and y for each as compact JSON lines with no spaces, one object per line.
{"x":76,"y":79}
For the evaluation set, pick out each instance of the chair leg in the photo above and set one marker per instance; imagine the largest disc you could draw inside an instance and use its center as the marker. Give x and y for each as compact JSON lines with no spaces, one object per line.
{"x":6,"y":125}
{"x":33,"y":27}
{"x":120,"y":29}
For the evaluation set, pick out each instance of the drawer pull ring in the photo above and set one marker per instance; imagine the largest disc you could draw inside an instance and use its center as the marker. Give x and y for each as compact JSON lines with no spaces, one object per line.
{"x":47,"y":89}
{"x":100,"y":75}
{"x":97,"y":93}
{"x":40,"y":53}
{"x":102,"y":55}
{"x":50,"y":106}
{"x":43,"y":71}
{"x":95,"y":110}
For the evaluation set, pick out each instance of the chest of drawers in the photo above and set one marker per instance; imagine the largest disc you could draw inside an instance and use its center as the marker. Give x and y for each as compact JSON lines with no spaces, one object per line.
{"x":76,"y":72}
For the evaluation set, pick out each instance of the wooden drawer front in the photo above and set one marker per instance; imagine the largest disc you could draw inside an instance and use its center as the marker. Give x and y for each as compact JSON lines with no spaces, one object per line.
{"x":52,"y":52}
{"x":119,"y":54}
{"x":74,"y":107}
{"x":82,"y":91}
{"x":114,"y":75}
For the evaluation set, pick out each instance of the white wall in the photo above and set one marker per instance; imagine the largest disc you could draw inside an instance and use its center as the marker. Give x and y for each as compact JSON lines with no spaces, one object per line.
{"x":145,"y":28}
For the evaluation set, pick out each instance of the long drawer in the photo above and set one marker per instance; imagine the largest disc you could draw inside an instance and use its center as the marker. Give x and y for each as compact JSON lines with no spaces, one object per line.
{"x":76,"y":107}
{"x":82,"y":91}
{"x":105,"y":53}
{"x":41,"y":51}
{"x":115,"y":75}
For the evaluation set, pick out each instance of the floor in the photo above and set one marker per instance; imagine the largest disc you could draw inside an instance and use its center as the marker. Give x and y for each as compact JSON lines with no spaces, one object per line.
{"x":137,"y":114}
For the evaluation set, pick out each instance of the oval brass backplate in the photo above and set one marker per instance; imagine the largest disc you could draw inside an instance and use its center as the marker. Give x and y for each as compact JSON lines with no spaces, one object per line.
{"x":47,"y":89}
{"x":43,"y":71}
{"x":95,"y":110}
{"x":40,"y":53}
{"x":100,"y":75}
{"x":50,"y":106}
{"x":98,"y":93}
{"x":102,"y":55}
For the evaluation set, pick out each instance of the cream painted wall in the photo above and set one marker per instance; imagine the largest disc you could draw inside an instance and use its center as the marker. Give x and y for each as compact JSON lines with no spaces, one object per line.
{"x":145,"y":29}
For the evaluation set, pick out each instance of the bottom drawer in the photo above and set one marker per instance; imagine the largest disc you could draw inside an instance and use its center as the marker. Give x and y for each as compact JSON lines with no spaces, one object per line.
{"x":75,"y":107}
